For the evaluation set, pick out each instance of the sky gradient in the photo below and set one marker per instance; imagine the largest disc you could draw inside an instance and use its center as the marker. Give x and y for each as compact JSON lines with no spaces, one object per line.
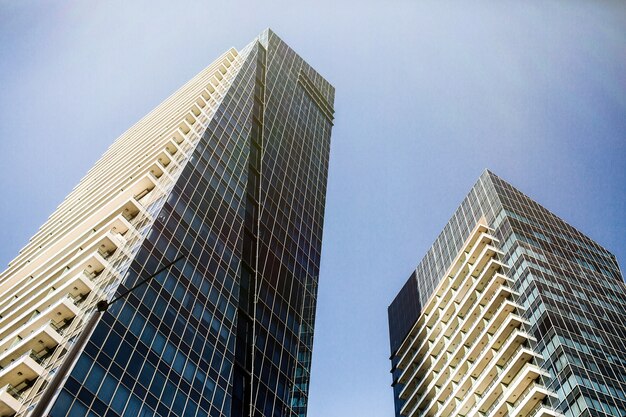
{"x":428,"y":96}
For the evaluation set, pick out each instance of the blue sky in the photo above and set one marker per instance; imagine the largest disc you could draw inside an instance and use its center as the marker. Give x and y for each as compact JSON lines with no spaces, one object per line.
{"x":428,"y":95}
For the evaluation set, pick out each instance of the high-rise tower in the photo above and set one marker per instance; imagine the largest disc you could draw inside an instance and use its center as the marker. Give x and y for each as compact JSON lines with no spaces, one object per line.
{"x":512,"y":312}
{"x":228,"y":175}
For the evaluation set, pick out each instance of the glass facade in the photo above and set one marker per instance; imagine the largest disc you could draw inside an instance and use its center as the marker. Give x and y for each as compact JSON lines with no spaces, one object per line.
{"x":297,"y":123}
{"x":572,"y":290}
{"x":227,"y":331}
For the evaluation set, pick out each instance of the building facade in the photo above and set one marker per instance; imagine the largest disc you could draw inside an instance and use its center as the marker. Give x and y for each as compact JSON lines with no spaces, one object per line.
{"x":512,"y":312}
{"x":227,"y":177}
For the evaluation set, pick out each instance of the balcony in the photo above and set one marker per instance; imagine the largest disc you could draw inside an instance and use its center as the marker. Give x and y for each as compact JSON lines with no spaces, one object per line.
{"x":45,"y":337}
{"x":59,"y":312}
{"x":9,"y":405}
{"x":56,"y":256}
{"x":86,"y":263}
{"x":500,"y":332}
{"x":472,"y":240}
{"x":485,"y":256}
{"x":518,"y":383}
{"x":437,"y":312}
{"x":479,"y":326}
{"x":129,"y":210}
{"x":530,"y":403}
{"x":524,"y":391}
{"x":26,"y":367}
{"x":76,"y":287}
{"x":489,"y":387}
{"x":108,"y":245}
{"x":434,"y":345}
{"x":475,"y":287}
{"x":543,"y":410}
{"x":521,"y":370}
{"x":483,"y":240}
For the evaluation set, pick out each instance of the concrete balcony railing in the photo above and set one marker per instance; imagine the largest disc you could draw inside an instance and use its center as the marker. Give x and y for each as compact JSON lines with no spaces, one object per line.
{"x":542,"y":410}
{"x":9,"y":404}
{"x":488,"y":253}
{"x":46,"y":336}
{"x":454,"y":299}
{"x":516,"y":389}
{"x":511,"y":382}
{"x":66,"y":251}
{"x":484,"y":239}
{"x":455,"y":304}
{"x":461,"y":401}
{"x":54,"y":304}
{"x":71,"y":282}
{"x":89,"y":259}
{"x":485,"y":340}
{"x":508,"y":341}
{"x":471,"y":330}
{"x":428,"y":349}
{"x":475,"y":243}
{"x":530,"y":402}
{"x":63,"y":310}
{"x":519,"y":387}
{"x":474,"y":289}
{"x":24,"y":368}
{"x":480,"y":326}
{"x":472,"y":379}
{"x":483,"y":288}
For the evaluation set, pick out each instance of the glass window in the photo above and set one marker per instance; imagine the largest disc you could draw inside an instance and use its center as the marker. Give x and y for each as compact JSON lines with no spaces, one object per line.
{"x":82,"y":367}
{"x":119,"y":401}
{"x":95,"y":377}
{"x":107,"y":389}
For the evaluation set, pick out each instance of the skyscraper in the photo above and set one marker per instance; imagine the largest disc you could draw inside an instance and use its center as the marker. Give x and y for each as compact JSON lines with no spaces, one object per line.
{"x":221,"y":188}
{"x":511,"y":312}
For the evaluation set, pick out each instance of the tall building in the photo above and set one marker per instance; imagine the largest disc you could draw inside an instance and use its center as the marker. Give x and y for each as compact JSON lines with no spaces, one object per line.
{"x":220,"y":189}
{"x":511,"y":312}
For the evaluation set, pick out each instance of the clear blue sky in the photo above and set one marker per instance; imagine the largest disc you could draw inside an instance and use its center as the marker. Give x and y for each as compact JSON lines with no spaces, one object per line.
{"x":428,"y":95}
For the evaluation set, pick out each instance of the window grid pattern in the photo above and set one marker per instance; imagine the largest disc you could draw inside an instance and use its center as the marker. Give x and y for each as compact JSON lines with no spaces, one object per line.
{"x":168,"y":349}
{"x":171,"y":348}
{"x":296,"y":136}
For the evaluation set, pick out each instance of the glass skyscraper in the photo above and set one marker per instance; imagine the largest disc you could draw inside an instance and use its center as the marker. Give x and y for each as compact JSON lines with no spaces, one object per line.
{"x":567,"y":303}
{"x":228,"y":176}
